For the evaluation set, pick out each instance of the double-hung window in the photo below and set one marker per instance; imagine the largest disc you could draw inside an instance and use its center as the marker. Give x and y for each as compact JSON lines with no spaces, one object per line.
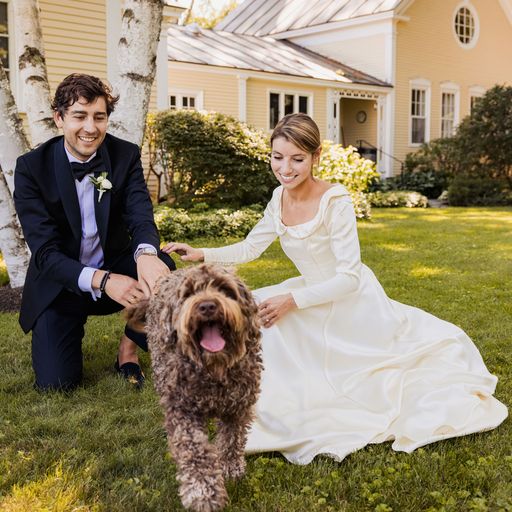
{"x":449,"y":108}
{"x":475,"y":94}
{"x":284,"y":103}
{"x":419,"y":123}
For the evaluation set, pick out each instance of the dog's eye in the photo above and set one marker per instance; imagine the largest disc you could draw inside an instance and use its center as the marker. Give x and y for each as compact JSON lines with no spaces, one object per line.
{"x":229,"y":292}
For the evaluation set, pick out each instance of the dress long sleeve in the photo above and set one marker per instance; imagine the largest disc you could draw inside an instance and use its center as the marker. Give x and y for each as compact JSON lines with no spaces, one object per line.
{"x":340,"y":223}
{"x":260,"y":237}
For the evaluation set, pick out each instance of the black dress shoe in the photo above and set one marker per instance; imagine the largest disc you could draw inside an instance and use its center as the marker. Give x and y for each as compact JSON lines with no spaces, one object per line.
{"x":131,"y":372}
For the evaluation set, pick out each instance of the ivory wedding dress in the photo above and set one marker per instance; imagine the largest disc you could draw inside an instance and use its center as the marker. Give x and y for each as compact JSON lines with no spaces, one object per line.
{"x":351,"y":366}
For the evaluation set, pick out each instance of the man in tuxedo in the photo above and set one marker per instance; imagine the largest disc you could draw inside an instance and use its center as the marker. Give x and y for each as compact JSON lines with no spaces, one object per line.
{"x":87,"y":217}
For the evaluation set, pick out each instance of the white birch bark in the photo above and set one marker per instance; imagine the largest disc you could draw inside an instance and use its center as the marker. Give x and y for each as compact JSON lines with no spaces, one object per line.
{"x":32,"y":72}
{"x":140,"y":32}
{"x":13,"y":246}
{"x":13,"y":141}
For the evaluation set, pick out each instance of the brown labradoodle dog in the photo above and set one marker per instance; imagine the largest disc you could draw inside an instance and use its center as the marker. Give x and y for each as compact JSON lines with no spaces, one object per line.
{"x":204,"y":340}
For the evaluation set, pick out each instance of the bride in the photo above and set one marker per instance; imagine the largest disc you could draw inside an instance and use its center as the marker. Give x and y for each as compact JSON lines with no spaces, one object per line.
{"x":344,"y":365}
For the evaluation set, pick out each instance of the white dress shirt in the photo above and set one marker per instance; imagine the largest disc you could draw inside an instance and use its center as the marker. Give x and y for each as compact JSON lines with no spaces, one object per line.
{"x":91,"y":252}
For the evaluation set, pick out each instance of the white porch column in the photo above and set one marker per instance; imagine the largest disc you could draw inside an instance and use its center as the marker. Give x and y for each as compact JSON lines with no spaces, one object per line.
{"x":333,"y":116}
{"x":242,"y":97}
{"x":388,"y":133}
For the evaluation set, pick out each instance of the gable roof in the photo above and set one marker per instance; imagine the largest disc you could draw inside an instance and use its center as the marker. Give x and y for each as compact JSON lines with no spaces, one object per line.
{"x":216,"y":48}
{"x":265,"y":17}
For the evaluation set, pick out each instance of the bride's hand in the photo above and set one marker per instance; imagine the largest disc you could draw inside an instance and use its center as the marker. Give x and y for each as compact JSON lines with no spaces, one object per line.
{"x":186,"y":252}
{"x":274,"y":308}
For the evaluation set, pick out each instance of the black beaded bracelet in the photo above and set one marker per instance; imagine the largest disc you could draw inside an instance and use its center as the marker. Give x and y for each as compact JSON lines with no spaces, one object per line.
{"x":104,"y":280}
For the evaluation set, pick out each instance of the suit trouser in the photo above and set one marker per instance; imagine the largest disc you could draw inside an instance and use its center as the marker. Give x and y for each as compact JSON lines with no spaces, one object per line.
{"x":58,"y":332}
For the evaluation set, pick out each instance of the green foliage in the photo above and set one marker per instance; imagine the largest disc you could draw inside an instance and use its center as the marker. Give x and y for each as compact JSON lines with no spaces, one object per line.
{"x":478,"y":190}
{"x":211,"y":157}
{"x":178,"y":224}
{"x":397,"y":198}
{"x":344,"y":165}
{"x":485,"y":137}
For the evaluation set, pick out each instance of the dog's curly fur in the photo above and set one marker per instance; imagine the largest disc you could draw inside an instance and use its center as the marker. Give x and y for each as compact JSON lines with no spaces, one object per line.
{"x":196,"y":385}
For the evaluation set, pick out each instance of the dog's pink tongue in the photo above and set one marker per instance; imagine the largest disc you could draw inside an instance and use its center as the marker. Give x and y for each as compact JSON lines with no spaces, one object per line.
{"x":212,"y":340}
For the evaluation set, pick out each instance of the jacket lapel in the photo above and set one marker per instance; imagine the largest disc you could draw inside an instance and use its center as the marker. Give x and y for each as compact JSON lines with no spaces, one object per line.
{"x":67,"y":189}
{"x":102,"y":208}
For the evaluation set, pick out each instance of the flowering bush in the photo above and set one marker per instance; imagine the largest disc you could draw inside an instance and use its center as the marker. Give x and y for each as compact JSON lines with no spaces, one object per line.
{"x":396,"y":198}
{"x":345,"y":165}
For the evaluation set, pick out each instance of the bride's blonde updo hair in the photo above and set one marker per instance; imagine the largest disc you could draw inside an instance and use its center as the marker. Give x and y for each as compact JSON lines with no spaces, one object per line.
{"x":299,"y":129}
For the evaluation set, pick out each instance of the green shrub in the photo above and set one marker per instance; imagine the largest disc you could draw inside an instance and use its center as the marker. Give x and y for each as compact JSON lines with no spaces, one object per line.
{"x":398,"y":198}
{"x":485,"y":137}
{"x":478,"y":190}
{"x":210,"y":157}
{"x":176,"y":224}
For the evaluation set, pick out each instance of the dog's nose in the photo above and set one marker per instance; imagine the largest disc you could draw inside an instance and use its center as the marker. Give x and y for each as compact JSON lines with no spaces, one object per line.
{"x":207,"y":307}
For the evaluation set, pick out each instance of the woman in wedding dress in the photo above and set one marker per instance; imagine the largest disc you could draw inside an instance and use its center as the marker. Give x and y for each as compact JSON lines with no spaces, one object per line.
{"x":344,"y":365}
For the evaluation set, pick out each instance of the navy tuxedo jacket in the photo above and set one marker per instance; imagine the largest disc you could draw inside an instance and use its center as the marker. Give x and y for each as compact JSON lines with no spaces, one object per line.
{"x":47,"y":205}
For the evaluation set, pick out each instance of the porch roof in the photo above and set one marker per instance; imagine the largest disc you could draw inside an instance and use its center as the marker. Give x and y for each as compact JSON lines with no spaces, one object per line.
{"x":264,"y":17}
{"x":216,"y":48}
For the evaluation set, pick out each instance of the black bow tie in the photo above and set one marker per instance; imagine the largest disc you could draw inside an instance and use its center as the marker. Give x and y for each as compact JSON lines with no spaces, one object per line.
{"x":80,"y":170}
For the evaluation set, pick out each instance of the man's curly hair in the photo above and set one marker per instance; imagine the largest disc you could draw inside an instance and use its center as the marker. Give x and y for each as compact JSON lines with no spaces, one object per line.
{"x":78,"y":85}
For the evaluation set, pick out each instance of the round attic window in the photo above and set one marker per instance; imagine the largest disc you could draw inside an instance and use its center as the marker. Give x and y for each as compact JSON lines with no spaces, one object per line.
{"x":466,"y":25}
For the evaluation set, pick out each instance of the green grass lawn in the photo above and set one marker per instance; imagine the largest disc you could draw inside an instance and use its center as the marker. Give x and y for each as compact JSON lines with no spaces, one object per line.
{"x":103,"y":448}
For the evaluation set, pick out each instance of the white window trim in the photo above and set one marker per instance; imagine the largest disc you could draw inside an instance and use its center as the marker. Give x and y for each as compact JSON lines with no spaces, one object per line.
{"x":467,"y":4}
{"x":453,"y":88}
{"x":295,"y":95}
{"x":179,"y":93}
{"x":11,"y":37}
{"x":425,"y":85}
{"x":475,"y":91}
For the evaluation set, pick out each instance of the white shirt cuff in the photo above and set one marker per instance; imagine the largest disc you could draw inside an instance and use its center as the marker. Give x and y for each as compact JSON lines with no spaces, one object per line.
{"x":144,"y":246}
{"x":85,"y":282}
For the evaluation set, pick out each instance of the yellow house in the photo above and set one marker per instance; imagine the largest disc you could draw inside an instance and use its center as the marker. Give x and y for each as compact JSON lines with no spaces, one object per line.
{"x":383,"y":74}
{"x":82,"y":36}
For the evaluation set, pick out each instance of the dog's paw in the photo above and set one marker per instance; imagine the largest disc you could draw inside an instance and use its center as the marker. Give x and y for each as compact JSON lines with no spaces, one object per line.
{"x":234,"y":468}
{"x":208,"y":495}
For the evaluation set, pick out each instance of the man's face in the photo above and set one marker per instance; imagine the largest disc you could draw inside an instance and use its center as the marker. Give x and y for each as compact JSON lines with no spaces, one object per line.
{"x":84,"y":126}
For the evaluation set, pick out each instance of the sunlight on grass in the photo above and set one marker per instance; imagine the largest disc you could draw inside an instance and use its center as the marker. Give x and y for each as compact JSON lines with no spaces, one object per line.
{"x":395,"y":247}
{"x":428,"y":271}
{"x":56,"y":492}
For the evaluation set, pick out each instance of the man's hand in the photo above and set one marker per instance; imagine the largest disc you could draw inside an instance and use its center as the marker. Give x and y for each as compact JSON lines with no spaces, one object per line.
{"x":274,"y":308}
{"x":123,"y":289}
{"x":150,"y":269}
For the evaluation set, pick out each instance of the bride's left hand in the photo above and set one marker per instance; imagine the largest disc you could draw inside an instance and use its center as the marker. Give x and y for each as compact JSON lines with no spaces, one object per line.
{"x":274,"y":308}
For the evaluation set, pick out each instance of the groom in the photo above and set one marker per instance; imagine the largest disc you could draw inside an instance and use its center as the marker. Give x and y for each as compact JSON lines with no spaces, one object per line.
{"x":87,"y":217}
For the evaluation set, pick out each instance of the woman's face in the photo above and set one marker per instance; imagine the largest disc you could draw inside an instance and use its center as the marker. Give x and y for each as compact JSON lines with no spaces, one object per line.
{"x":291,"y":165}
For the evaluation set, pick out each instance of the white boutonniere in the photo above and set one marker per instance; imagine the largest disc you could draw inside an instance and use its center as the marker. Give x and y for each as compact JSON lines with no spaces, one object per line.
{"x":101,"y":184}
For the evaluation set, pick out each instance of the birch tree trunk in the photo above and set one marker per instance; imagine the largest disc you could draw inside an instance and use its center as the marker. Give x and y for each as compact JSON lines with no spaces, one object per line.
{"x":13,"y":141}
{"x":32,"y":72}
{"x":140,"y":32}
{"x":12,"y":243}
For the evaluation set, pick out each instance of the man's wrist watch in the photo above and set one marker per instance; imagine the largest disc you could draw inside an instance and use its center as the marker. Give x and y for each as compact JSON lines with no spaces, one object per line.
{"x":149,"y":251}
